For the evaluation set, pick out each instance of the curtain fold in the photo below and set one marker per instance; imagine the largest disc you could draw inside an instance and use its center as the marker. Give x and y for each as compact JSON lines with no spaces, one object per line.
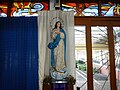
{"x":18,"y":53}
{"x":46,"y":22}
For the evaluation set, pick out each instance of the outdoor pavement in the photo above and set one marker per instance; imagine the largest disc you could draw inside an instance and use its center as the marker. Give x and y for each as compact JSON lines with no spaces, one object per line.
{"x":101,"y":81}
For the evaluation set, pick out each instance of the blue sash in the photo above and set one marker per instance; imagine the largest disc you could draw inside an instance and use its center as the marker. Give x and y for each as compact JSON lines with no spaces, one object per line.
{"x":54,"y":44}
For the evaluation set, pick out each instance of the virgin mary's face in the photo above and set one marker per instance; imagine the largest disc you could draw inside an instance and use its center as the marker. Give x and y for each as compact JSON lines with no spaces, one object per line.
{"x":58,"y":24}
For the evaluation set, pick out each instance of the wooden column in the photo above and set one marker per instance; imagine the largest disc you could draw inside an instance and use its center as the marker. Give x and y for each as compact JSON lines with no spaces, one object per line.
{"x":112,"y":58}
{"x":9,"y":8}
{"x":89,"y":58}
{"x":99,"y":8}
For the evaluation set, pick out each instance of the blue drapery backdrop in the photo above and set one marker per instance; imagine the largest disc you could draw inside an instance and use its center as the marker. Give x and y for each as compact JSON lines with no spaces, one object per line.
{"x":18,"y":53}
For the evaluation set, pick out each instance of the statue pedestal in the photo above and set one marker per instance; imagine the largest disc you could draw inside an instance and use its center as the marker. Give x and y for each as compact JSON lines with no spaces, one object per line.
{"x":59,"y":85}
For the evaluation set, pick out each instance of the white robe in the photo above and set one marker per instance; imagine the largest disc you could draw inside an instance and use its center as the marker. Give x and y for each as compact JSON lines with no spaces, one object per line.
{"x":59,"y":53}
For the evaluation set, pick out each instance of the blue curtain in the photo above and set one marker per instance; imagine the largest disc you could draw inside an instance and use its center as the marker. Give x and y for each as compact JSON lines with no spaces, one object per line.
{"x":18,"y":53}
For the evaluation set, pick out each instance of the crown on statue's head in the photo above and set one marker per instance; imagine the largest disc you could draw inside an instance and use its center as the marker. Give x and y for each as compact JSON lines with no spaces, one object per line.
{"x":54,"y":20}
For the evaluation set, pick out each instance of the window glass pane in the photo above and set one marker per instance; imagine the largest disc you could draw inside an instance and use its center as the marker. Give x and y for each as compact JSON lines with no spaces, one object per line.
{"x":100,"y":57}
{"x":81,"y":57}
{"x":117,"y":10}
{"x":3,"y":9}
{"x":116,"y":32}
{"x":68,"y":6}
{"x":27,"y":8}
{"x":90,"y":9}
{"x":107,"y":9}
{"x":80,"y":35}
{"x":83,"y":9}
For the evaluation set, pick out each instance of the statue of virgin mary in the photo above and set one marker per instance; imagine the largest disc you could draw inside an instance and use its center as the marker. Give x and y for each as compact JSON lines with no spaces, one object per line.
{"x":58,"y":70}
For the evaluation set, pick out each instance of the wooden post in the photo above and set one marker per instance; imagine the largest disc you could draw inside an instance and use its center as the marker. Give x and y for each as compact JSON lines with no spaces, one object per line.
{"x":89,"y":58}
{"x":99,"y":8}
{"x":9,"y":5}
{"x":112,"y":58}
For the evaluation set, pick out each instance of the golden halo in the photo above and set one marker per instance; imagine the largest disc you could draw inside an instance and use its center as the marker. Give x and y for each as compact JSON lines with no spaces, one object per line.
{"x":56,"y":19}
